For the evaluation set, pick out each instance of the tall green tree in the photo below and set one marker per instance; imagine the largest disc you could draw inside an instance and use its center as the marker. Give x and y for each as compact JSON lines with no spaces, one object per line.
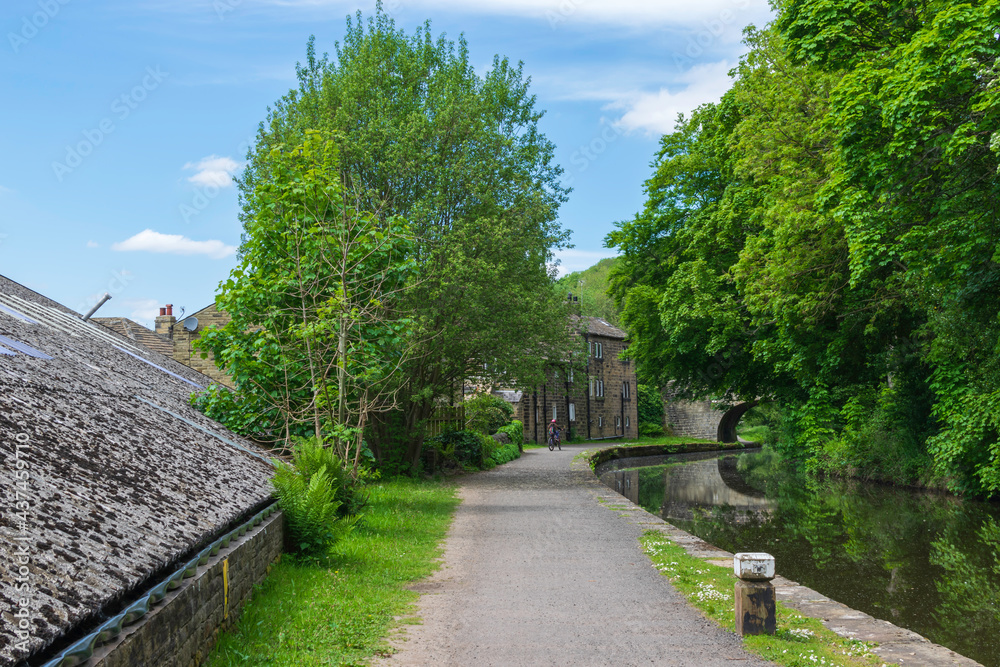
{"x":460,"y":157}
{"x":314,"y":338}
{"x":830,"y":229}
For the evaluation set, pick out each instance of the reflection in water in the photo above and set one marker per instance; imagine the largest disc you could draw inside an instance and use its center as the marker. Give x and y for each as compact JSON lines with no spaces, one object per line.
{"x":927,"y":562}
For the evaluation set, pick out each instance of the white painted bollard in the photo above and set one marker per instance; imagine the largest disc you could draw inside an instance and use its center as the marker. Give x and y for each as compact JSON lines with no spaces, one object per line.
{"x":754,"y":594}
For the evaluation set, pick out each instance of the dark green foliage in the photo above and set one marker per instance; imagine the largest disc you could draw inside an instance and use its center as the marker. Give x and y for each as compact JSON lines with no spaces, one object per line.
{"x":506,"y":454}
{"x":650,"y":429}
{"x":486,"y":413}
{"x":307,"y":492}
{"x":463,"y":447}
{"x":242,"y":414}
{"x":515,"y":431}
{"x":650,"y":405}
{"x":827,"y":236}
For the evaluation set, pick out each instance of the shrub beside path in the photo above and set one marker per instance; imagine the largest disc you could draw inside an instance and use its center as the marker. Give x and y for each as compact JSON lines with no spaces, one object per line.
{"x":537,"y":572}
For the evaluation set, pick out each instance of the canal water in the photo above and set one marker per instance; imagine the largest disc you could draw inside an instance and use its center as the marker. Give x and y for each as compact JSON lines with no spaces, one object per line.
{"x":927,"y":562}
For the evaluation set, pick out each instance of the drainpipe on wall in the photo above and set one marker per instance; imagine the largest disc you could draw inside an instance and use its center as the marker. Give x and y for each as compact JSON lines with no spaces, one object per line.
{"x":569,"y":424}
{"x":586,"y":339}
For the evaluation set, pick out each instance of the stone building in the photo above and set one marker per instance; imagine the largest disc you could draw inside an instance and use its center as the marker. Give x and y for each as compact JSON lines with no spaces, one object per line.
{"x":593,"y":397}
{"x":174,"y":337}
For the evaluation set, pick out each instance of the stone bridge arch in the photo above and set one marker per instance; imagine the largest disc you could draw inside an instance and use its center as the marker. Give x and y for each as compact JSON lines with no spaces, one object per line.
{"x":703,"y":419}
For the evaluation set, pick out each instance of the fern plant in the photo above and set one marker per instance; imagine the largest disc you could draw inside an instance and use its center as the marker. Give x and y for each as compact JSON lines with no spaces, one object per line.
{"x":307,"y":492}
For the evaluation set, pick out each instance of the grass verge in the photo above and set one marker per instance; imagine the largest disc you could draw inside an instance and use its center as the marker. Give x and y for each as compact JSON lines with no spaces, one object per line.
{"x":800,"y":641}
{"x":340,"y":612}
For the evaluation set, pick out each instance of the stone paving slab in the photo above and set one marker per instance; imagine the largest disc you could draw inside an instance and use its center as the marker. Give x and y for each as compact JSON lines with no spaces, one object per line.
{"x":895,"y":644}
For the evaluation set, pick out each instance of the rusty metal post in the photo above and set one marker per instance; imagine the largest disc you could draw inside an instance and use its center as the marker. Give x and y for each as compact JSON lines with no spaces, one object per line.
{"x":754,"y":594}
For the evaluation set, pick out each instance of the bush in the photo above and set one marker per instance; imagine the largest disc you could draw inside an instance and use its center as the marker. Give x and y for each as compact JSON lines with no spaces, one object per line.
{"x":307,"y":493}
{"x":463,"y":447}
{"x":515,"y":430}
{"x":650,"y":430}
{"x":650,"y":405}
{"x":486,"y":413}
{"x":506,"y":454}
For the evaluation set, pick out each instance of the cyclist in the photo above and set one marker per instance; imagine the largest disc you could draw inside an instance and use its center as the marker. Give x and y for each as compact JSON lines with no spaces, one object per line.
{"x":553,"y":434}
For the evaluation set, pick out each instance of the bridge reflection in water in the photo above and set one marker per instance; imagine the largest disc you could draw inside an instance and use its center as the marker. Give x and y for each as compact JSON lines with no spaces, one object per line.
{"x":692,"y":488}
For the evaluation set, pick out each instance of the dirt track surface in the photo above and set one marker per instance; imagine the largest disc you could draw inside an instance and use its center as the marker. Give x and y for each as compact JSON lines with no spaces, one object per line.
{"x":537,"y":572}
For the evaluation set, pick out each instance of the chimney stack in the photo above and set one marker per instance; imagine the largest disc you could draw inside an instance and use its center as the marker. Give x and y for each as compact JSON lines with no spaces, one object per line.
{"x":166,"y":320}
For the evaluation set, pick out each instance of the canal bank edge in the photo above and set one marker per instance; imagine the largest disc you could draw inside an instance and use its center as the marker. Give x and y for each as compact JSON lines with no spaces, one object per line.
{"x":905,"y":647}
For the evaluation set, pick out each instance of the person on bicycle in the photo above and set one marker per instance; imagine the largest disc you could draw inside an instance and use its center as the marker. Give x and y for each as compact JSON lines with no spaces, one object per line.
{"x":554,"y":431}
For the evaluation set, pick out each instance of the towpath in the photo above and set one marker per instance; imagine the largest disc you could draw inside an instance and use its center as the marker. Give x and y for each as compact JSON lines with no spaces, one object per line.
{"x":538,"y":572}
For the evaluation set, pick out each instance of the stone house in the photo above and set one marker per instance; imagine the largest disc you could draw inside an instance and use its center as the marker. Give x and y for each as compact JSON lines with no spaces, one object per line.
{"x":174,"y":337}
{"x":114,"y":484}
{"x":593,"y":397}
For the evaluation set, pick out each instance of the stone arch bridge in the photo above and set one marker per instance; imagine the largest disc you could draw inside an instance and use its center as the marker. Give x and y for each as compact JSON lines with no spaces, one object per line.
{"x":707,"y":419}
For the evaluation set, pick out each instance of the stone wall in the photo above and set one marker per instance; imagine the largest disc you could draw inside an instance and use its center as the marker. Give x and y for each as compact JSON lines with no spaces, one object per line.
{"x":182,"y":629}
{"x":694,"y":419}
{"x":185,"y":353}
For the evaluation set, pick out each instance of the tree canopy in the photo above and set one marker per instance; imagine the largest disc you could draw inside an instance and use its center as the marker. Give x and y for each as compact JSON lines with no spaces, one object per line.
{"x":827,"y":235}
{"x":459,"y":158}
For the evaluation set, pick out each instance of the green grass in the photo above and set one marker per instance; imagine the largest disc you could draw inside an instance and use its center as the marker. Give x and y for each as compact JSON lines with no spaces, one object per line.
{"x":800,"y":641}
{"x":755,"y":433}
{"x":341,"y":611}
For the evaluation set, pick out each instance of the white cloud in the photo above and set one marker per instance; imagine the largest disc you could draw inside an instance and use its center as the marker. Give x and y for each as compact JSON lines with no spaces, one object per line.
{"x":93,"y":244}
{"x":656,"y":112}
{"x":571,"y":259}
{"x":175,"y":244}
{"x":4,"y":191}
{"x":213,"y":171}
{"x":142,"y":310}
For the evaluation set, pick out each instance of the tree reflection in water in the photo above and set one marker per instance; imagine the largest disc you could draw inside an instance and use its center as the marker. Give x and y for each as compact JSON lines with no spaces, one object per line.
{"x":927,"y":562}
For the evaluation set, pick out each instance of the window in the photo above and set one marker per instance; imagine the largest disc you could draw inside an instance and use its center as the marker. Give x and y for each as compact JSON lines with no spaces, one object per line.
{"x":570,"y":374}
{"x":572,"y":412}
{"x":599,"y":350}
{"x":600,"y":421}
{"x":618,"y":421}
{"x":627,"y":422}
{"x":600,"y":388}
{"x":626,"y":391}
{"x":591,"y":386}
{"x":555,"y":412}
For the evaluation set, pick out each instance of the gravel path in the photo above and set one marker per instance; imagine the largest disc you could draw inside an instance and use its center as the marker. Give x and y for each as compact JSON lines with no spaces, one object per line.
{"x":537,"y":572}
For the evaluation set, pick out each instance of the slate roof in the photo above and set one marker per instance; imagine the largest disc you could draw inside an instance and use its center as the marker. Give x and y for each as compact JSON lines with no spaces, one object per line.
{"x":138,"y":333}
{"x":598,"y":327}
{"x":119,"y":477}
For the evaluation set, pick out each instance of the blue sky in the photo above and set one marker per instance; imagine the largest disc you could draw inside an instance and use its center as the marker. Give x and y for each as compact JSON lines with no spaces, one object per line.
{"x":124,"y":120}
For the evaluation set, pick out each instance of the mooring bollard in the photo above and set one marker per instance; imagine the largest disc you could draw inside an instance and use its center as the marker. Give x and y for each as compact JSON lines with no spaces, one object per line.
{"x":754,"y":594}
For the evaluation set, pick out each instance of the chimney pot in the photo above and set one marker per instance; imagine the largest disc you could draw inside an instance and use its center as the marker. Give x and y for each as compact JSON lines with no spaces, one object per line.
{"x":170,"y":309}
{"x":163,"y":312}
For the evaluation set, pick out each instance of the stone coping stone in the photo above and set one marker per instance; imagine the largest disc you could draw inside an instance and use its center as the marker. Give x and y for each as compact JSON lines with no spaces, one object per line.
{"x":899,"y":645}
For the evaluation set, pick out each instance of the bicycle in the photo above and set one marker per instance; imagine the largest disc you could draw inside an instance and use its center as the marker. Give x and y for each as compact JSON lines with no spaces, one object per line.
{"x":554,"y":442}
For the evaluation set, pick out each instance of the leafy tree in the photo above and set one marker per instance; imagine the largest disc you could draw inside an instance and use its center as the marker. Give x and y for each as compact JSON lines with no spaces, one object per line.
{"x":827,"y":235}
{"x":313,"y":338}
{"x":458,"y":156}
